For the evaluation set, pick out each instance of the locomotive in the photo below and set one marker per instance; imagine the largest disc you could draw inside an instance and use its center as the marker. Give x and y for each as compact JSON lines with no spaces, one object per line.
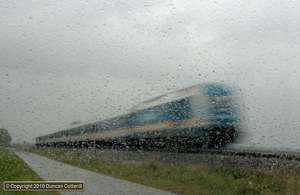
{"x":204,"y":115}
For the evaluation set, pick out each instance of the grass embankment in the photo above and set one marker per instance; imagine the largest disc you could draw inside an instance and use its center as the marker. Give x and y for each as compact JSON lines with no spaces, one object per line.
{"x":198,"y":179}
{"x":13,"y":168}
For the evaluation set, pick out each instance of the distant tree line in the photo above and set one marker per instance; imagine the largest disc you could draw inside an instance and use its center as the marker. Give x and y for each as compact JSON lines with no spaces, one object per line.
{"x":5,"y":137}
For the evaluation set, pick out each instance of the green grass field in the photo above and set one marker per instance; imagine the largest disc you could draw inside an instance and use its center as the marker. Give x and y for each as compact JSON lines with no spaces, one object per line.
{"x":12,"y":168}
{"x":198,"y":179}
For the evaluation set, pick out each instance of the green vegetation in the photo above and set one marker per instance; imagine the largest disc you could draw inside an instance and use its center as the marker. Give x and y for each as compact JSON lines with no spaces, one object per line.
{"x":198,"y":179}
{"x":5,"y":137}
{"x":12,"y":168}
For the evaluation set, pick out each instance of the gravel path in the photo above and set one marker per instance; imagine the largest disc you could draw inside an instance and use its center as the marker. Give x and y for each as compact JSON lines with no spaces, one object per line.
{"x":95,"y":183}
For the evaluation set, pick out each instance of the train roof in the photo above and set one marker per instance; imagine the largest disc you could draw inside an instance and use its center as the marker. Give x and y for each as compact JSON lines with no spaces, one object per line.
{"x":214,"y":89}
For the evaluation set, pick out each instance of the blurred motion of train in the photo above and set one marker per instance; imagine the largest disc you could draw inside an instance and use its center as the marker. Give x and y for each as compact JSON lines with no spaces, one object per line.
{"x":204,"y":115}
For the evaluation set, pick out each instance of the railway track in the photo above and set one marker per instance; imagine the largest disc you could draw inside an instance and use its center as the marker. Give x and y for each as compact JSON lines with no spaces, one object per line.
{"x":256,"y":154}
{"x":274,"y":161}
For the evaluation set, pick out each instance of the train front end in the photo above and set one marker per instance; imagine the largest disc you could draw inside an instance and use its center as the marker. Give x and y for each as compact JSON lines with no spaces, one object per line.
{"x":223,"y":115}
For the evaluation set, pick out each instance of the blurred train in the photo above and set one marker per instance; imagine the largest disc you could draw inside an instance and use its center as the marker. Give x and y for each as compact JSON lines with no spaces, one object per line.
{"x":204,"y":115}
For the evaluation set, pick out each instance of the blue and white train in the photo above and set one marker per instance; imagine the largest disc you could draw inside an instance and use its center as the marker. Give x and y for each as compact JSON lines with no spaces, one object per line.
{"x":204,"y":115}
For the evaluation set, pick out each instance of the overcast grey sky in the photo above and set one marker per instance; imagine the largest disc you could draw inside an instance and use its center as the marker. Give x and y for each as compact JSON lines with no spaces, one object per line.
{"x":64,"y":61}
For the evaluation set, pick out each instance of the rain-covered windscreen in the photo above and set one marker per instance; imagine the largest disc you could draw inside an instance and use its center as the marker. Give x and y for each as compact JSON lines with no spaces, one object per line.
{"x":189,"y":97}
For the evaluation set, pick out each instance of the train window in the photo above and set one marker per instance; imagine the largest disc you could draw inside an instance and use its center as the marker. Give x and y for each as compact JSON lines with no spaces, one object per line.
{"x":139,"y":90}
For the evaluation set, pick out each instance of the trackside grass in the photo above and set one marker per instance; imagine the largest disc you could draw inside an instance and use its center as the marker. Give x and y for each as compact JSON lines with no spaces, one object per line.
{"x":12,"y":168}
{"x":198,"y":179}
